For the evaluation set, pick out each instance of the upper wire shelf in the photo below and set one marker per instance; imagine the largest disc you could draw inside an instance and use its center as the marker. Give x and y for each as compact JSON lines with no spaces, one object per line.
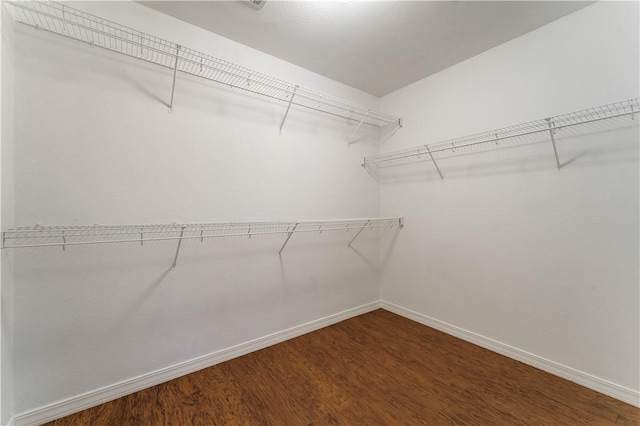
{"x":549,"y":125}
{"x":64,"y":236}
{"x":78,"y":25}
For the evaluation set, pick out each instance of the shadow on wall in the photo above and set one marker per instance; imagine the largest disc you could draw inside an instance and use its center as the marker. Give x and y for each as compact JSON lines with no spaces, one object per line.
{"x":93,"y":65}
{"x":385,"y":254}
{"x":211,"y":281}
{"x":123,"y":260}
{"x":133,"y":305}
{"x":595,"y":145}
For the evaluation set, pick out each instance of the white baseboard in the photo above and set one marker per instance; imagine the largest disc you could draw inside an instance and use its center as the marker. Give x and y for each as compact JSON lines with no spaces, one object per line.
{"x":595,"y":383}
{"x":108,"y":393}
{"x":99,"y":396}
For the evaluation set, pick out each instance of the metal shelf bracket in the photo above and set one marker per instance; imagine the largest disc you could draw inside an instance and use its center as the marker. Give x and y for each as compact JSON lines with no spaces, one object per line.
{"x":553,"y":141}
{"x":353,"y":137}
{"x":288,"y":107}
{"x":175,"y":259}
{"x":358,"y":233}
{"x":433,"y":160}
{"x":175,"y":72}
{"x":288,"y":238}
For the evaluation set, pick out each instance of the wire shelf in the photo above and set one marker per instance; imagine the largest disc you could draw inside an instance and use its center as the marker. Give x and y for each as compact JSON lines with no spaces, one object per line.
{"x":81,"y":26}
{"x":63,"y":236}
{"x":548,"y":125}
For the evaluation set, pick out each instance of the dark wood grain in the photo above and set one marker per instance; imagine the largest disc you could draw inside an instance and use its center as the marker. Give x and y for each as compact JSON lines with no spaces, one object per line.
{"x":375,"y":369}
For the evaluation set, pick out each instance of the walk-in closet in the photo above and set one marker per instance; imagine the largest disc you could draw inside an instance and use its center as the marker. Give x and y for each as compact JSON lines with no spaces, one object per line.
{"x":263,"y":212}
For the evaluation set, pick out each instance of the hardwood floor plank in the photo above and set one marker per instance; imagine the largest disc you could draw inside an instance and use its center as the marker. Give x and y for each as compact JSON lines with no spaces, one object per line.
{"x":82,"y":418}
{"x":375,"y":369}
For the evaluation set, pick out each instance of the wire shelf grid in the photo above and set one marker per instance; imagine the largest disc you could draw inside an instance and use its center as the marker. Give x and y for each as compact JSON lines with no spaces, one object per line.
{"x":81,"y":26}
{"x":552,"y":124}
{"x":63,"y":236}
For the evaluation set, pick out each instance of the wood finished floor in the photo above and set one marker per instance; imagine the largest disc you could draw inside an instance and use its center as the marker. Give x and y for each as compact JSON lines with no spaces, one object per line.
{"x":375,"y":369}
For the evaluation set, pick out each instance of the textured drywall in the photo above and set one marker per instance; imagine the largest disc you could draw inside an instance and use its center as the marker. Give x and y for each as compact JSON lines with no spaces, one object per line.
{"x":506,"y":246}
{"x":95,"y":143}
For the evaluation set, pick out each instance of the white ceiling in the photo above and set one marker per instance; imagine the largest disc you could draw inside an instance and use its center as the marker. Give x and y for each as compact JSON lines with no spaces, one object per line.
{"x":375,"y":46}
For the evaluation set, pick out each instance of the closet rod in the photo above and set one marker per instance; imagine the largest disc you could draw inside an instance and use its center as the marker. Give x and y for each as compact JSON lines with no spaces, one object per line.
{"x":98,"y":32}
{"x":552,"y":124}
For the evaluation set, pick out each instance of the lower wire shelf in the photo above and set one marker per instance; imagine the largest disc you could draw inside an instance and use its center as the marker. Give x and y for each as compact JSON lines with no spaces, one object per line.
{"x":64,"y":236}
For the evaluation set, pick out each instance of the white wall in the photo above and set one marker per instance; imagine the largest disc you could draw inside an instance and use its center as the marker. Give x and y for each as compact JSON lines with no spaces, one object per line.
{"x":505,"y":246}
{"x":96,"y":144}
{"x":6,"y":217}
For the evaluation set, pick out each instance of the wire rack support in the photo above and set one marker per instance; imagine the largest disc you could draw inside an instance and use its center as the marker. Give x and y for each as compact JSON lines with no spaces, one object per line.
{"x":95,"y":31}
{"x":551,"y":125}
{"x":66,"y":236}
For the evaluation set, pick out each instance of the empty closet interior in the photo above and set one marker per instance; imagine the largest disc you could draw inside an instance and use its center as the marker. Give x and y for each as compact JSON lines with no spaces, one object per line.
{"x":172,"y":198}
